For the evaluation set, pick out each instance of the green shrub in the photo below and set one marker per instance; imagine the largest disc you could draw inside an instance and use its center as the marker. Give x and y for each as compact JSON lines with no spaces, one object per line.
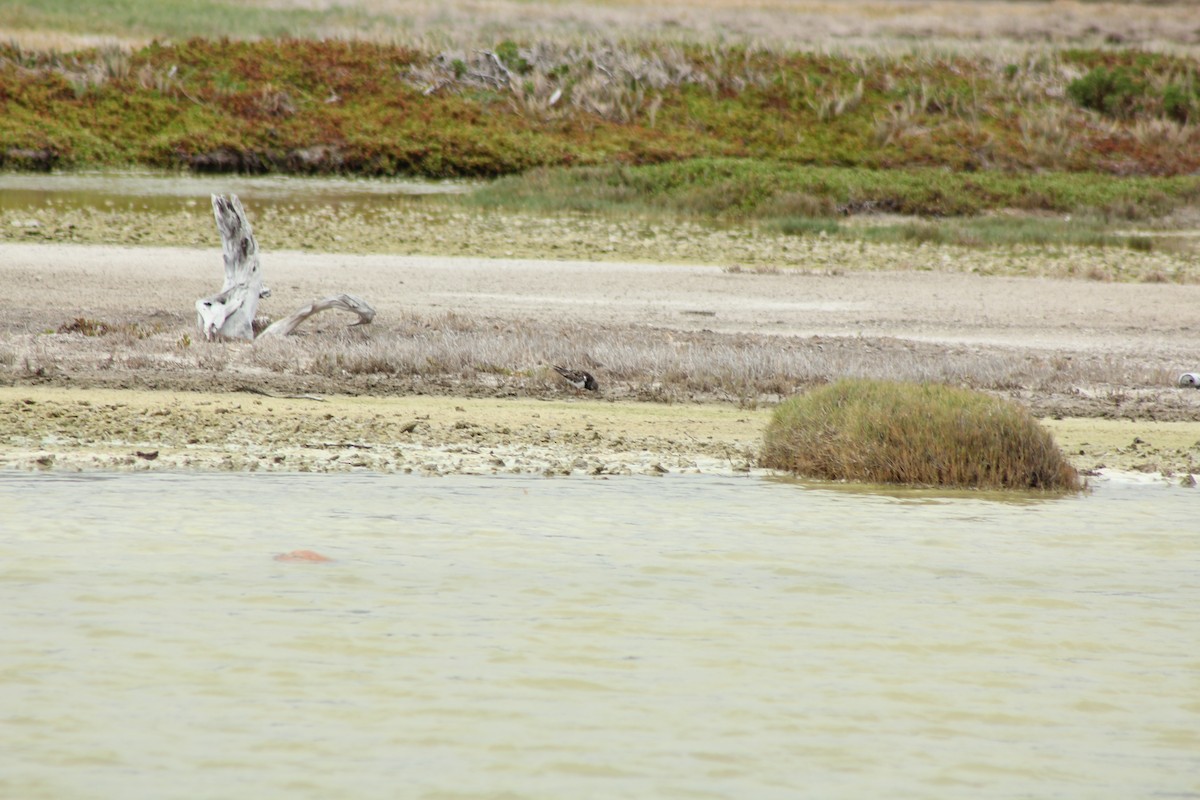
{"x":1117,"y":92}
{"x":508,"y":52}
{"x":1181,"y":102}
{"x":1123,"y":92}
{"x":918,"y":434}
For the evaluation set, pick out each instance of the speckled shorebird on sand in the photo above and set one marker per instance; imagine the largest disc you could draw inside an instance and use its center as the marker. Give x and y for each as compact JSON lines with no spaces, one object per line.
{"x":578,"y":378}
{"x":1190,"y":379}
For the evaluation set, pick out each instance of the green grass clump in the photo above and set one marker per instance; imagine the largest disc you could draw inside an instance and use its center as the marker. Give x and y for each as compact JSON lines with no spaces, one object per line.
{"x":917,"y":434}
{"x":1005,"y":231}
{"x":1116,"y":92}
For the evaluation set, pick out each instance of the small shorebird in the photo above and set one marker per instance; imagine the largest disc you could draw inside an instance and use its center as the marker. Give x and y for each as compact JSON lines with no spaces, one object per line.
{"x":578,"y":378}
{"x":1186,"y":379}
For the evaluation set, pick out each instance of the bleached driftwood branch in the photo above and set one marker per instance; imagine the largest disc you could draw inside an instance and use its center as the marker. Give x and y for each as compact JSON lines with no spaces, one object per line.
{"x":230,"y":313}
{"x":346,"y":302}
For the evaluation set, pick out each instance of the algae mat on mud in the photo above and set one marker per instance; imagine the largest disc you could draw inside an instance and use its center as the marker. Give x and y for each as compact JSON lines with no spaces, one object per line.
{"x":44,"y":427}
{"x":57,"y":428}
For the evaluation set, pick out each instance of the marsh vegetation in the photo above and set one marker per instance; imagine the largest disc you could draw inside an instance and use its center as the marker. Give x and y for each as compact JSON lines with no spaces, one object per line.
{"x":1057,"y":146}
{"x":301,"y":106}
{"x":880,"y":431}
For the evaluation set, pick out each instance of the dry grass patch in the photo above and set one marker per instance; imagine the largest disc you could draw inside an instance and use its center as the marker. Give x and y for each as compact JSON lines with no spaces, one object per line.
{"x":86,"y":326}
{"x":852,"y":25}
{"x":916,"y":434}
{"x":648,"y":363}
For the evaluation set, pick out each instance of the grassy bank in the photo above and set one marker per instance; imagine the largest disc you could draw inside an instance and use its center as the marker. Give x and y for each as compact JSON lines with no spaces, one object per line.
{"x":787,"y":198}
{"x":1079,"y":142}
{"x":742,"y":188}
{"x":301,"y":106}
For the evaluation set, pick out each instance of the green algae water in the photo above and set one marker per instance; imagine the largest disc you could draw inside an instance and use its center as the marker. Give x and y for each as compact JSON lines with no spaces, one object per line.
{"x":689,"y":636}
{"x":149,"y":190}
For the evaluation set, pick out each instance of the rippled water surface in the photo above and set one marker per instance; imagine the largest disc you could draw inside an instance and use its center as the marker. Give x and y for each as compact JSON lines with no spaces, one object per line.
{"x":679,"y":637}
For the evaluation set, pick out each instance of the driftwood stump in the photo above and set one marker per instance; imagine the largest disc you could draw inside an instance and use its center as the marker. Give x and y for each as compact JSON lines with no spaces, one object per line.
{"x":230,"y":313}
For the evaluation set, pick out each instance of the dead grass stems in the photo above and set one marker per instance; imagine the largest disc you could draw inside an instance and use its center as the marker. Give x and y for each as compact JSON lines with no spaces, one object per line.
{"x":490,"y":356}
{"x":547,"y":80}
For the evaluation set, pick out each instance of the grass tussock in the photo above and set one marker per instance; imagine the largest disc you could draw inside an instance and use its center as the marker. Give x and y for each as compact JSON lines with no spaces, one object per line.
{"x":87,"y":326}
{"x":916,"y":434}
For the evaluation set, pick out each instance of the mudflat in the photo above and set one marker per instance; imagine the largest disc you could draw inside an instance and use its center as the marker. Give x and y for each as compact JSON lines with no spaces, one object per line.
{"x":1099,"y":360}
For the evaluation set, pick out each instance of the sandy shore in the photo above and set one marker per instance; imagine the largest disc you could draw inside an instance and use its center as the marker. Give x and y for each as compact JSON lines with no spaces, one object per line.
{"x":46,"y":427}
{"x":130,"y":429}
{"x":1108,"y":355}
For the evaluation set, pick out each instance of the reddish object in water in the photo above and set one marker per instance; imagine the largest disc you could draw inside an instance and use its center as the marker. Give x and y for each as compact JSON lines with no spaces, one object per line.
{"x":309,"y":556}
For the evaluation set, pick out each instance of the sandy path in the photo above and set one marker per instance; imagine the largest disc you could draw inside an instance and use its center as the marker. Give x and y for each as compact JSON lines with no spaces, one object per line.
{"x":45,"y":283}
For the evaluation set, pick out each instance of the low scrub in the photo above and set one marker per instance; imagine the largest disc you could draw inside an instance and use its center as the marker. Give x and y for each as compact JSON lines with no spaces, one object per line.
{"x":355,"y":107}
{"x":1125,"y":92}
{"x":918,"y":434}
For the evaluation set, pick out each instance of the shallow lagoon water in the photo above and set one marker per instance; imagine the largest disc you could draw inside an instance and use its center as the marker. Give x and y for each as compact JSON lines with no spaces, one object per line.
{"x":686,"y":636}
{"x":167,"y":191}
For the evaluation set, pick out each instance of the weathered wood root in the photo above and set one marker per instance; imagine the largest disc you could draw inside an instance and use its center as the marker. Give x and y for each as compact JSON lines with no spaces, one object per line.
{"x":345,"y":302}
{"x":230,"y":312}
